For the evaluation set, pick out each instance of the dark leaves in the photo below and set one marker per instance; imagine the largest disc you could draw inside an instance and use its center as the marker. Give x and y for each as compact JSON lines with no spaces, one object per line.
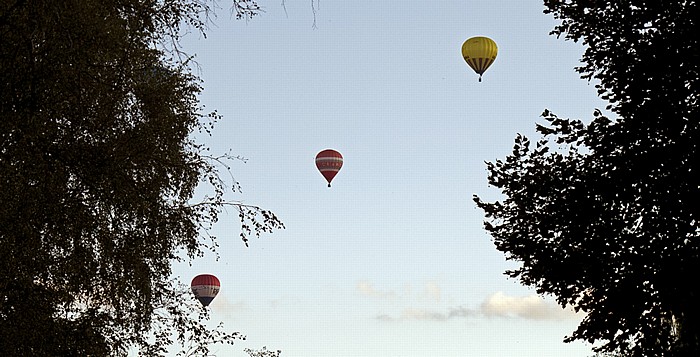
{"x":98,"y":172}
{"x":601,"y":214}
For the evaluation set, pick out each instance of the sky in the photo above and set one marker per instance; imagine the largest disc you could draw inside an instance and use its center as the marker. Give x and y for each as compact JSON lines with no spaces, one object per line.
{"x":392,"y":260}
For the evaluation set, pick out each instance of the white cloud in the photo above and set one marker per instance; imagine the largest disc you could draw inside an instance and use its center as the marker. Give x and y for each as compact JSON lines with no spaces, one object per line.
{"x":433,"y":291}
{"x":426,"y":304}
{"x":530,"y":307}
{"x":412,"y":313}
{"x":422,"y":314}
{"x":225,"y":307}
{"x":367,"y":289}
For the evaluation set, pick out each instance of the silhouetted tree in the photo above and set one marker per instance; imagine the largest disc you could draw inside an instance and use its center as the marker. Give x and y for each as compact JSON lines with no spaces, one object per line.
{"x":97,"y":178}
{"x":604,"y":215}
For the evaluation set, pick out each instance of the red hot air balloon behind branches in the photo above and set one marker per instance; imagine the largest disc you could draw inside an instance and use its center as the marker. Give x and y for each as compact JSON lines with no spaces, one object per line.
{"x":329,"y":163}
{"x":205,"y":287}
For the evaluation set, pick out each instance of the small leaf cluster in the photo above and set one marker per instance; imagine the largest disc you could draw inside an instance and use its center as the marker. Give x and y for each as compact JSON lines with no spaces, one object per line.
{"x":264,"y":352}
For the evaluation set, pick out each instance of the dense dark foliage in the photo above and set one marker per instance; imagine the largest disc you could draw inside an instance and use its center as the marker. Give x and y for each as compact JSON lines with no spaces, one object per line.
{"x":604,"y":215}
{"x":97,"y":176}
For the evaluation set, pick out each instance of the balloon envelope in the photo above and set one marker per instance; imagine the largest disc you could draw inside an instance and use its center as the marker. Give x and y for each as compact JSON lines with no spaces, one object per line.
{"x":329,"y":163}
{"x":205,"y":287}
{"x":479,"y":53}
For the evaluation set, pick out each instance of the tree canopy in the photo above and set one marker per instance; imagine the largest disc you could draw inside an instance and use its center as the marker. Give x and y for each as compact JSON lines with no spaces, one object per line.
{"x":98,"y":171}
{"x":603,"y":215}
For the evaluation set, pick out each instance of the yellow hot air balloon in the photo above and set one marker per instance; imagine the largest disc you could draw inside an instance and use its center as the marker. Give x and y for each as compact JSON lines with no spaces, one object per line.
{"x":479,"y":52}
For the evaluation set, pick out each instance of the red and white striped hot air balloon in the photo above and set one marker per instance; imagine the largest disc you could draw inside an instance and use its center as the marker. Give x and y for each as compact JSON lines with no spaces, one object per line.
{"x":329,"y":163}
{"x":205,"y":287}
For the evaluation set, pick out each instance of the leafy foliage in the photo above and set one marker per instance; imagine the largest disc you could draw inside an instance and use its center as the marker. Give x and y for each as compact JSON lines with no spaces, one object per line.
{"x":604,"y":215}
{"x":264,"y":352}
{"x":97,"y":173}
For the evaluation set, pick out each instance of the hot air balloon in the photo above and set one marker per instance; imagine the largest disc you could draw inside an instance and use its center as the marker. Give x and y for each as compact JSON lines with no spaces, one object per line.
{"x":479,"y":52}
{"x":329,"y":163}
{"x":205,"y":287}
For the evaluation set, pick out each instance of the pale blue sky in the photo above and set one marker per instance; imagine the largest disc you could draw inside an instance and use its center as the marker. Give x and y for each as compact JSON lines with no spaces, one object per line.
{"x":392,"y":260}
